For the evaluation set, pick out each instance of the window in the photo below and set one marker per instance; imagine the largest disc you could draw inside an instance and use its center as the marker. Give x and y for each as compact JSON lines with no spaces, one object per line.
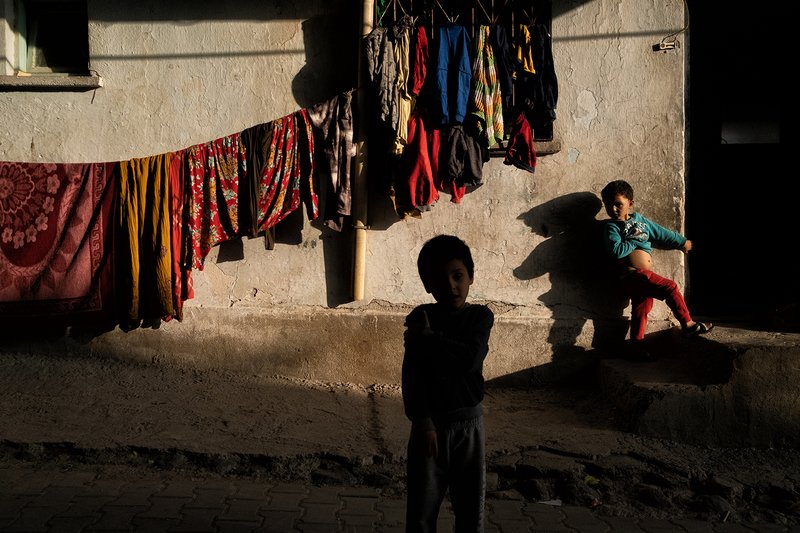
{"x":53,"y":37}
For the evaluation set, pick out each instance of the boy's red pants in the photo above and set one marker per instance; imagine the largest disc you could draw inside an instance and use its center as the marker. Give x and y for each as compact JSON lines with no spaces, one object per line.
{"x":644,"y":285}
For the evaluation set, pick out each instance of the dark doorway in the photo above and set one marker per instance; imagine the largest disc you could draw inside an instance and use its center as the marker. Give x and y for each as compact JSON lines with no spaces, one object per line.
{"x":742,"y":192}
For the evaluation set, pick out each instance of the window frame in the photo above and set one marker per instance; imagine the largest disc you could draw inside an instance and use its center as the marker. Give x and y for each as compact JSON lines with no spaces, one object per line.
{"x":16,"y":76}
{"x":28,"y":50}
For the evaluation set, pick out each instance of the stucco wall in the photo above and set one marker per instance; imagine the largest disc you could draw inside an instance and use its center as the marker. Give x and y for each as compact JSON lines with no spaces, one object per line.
{"x":180,"y":73}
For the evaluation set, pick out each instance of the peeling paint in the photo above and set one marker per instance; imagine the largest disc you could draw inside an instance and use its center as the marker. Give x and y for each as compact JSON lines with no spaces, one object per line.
{"x":638,"y":135}
{"x":586,"y":111}
{"x":573,"y":155}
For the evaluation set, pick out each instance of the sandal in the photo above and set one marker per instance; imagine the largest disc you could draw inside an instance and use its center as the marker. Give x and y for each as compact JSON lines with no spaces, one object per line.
{"x":699,"y":328}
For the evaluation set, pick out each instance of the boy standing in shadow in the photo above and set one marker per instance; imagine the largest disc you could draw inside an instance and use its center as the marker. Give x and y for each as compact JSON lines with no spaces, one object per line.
{"x":445,"y":345}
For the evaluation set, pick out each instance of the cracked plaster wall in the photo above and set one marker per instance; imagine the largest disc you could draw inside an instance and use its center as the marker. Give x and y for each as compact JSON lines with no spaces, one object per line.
{"x":176,"y":76}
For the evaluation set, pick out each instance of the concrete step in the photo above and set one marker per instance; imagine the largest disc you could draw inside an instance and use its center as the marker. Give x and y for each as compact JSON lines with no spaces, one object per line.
{"x":734,"y":387}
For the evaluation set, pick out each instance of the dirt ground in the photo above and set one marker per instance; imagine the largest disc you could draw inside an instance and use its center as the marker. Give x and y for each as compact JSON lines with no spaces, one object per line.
{"x":545,"y":444}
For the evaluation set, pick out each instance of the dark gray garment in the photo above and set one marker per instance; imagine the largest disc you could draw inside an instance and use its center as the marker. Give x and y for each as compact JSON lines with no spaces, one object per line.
{"x":333,"y":133}
{"x":383,"y":73}
{"x":461,"y":466}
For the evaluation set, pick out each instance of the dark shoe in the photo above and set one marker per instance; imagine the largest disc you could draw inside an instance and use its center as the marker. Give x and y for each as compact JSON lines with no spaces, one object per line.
{"x":698,"y":329}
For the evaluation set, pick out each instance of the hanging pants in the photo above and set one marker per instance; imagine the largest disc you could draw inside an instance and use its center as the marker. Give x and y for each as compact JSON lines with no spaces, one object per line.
{"x":644,"y":285}
{"x":461,"y":465}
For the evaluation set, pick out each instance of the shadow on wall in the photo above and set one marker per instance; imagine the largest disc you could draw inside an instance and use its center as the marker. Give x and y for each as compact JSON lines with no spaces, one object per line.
{"x":330,"y":69}
{"x":583,"y":279}
{"x":331,"y":44}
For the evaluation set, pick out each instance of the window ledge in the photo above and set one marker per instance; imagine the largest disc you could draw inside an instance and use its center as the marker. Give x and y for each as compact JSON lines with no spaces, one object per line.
{"x":541,"y":148}
{"x":54,"y":83}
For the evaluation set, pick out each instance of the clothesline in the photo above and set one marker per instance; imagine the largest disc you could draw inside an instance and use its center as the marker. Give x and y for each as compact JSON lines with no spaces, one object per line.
{"x":142,"y":225}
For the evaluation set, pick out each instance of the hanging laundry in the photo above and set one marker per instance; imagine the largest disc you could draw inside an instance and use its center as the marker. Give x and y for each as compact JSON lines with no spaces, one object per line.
{"x":441,"y":182}
{"x":182,"y":287}
{"x":419,"y":64}
{"x":383,"y":73}
{"x":285,"y":174}
{"x":144,"y":240}
{"x":56,"y":243}
{"x":418,"y":190}
{"x":464,"y":159}
{"x":215,"y":170}
{"x":504,"y":64}
{"x":333,"y":126}
{"x":402,"y":39}
{"x":524,"y":53}
{"x":487,"y":105}
{"x":398,"y":191}
{"x":544,"y":85}
{"x":520,"y":151}
{"x":257,"y":143}
{"x":453,"y":74}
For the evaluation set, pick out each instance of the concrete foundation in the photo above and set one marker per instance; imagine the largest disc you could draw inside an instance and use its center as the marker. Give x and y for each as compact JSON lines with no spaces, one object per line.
{"x":362,"y":346}
{"x":733,"y":389}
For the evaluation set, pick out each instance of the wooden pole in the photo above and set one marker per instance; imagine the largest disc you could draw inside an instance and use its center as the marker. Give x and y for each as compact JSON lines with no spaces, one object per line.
{"x":359,"y":186}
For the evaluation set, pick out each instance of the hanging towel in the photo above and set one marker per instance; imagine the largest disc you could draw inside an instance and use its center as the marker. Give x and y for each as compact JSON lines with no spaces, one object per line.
{"x":215,"y":170}
{"x":333,"y":126}
{"x":144,"y":240}
{"x":56,"y":243}
{"x":487,"y":103}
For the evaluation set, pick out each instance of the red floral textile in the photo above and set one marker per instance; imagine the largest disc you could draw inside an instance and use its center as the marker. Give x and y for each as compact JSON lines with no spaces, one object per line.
{"x":215,"y":170}
{"x":288,"y":170}
{"x":56,"y":241}
{"x":182,"y":288}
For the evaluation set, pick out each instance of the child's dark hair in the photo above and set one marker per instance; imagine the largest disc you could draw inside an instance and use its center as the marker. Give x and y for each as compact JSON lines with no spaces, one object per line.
{"x":440,"y":250}
{"x":620,"y":187}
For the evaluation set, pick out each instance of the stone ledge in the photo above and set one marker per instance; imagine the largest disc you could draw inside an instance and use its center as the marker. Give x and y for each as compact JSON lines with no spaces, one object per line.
{"x":718,"y":390}
{"x":57,"y":83}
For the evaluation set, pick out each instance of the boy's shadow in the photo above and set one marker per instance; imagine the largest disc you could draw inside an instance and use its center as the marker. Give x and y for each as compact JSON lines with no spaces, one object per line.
{"x":583,"y":277}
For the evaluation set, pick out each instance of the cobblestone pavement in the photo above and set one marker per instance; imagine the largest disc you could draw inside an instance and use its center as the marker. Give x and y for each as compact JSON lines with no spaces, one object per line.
{"x":56,"y":499}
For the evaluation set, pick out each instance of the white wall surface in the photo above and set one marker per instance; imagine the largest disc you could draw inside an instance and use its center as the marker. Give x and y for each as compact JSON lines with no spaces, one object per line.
{"x":181,"y":73}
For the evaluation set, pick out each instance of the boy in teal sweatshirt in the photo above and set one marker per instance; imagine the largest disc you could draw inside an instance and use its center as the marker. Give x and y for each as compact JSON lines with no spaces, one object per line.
{"x":629,"y":237}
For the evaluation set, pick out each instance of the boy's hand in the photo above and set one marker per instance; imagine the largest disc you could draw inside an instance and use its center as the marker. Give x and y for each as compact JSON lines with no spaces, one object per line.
{"x":414,"y":329}
{"x":686,"y":247}
{"x":425,"y":442}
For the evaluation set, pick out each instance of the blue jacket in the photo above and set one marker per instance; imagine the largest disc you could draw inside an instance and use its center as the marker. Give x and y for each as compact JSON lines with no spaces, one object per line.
{"x":453,"y":73}
{"x":623,"y":237}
